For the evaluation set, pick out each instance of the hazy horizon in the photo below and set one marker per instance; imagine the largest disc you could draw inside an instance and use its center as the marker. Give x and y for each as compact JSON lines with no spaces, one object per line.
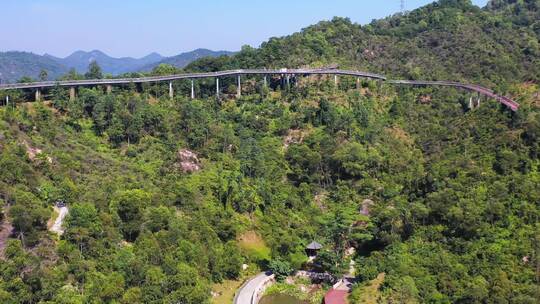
{"x":61,"y":27}
{"x":117,"y":57}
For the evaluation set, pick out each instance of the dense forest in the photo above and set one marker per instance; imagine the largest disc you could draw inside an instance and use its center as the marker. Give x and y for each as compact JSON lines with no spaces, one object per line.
{"x":441,"y":199}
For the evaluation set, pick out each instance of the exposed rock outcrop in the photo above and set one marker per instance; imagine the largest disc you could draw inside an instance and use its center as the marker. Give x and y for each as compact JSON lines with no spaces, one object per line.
{"x":33,"y":152}
{"x":188,"y":161}
{"x":366,"y":205}
{"x":294,"y":136}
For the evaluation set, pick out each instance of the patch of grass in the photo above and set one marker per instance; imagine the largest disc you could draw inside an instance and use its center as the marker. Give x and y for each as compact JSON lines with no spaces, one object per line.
{"x":226,"y":291}
{"x":254,"y":245}
{"x":368,"y":293}
{"x":284,"y":288}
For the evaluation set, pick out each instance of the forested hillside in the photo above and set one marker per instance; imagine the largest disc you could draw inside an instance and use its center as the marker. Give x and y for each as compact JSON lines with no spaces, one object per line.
{"x":449,"y":39}
{"x":164,"y":195}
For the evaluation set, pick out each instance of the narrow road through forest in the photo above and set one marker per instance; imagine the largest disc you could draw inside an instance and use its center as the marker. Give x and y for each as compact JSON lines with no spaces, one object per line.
{"x":247,"y":292}
{"x":57,"y":226}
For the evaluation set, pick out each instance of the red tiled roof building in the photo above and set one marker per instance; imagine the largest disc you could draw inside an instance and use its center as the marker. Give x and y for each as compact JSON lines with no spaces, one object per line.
{"x":336,"y":297}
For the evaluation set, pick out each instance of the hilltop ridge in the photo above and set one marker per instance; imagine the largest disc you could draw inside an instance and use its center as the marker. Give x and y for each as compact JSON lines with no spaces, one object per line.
{"x":449,"y":39}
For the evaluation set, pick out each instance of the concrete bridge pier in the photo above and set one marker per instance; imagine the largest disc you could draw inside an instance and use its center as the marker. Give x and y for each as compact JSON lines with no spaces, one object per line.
{"x":72,"y":93}
{"x":7,"y":100}
{"x":335,"y":80}
{"x":265,"y":81}
{"x":38,"y":94}
{"x":358,"y":83}
{"x":217,"y":87}
{"x":192,"y":89}
{"x":108,"y":89}
{"x":288,"y":81}
{"x":239,"y":88}
{"x":171,"y":91}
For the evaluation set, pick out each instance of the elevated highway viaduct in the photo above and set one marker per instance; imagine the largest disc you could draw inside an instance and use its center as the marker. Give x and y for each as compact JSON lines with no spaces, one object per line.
{"x":284,"y":73}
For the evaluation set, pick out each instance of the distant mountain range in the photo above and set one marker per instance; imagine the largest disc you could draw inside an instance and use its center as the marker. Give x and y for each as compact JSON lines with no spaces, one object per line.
{"x":80,"y":60}
{"x":15,"y":65}
{"x":184,"y":59}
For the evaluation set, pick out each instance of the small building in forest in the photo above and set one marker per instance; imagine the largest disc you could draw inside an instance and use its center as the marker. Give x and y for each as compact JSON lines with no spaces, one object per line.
{"x":312,"y":249}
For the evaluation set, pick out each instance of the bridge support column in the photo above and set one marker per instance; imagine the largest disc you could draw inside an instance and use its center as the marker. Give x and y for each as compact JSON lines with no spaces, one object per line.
{"x":72,"y":93}
{"x":7,"y":100}
{"x":171,"y":91}
{"x":335,"y":80}
{"x":358,"y":83}
{"x":239,"y":88}
{"x":38,"y":94}
{"x":192,"y":89}
{"x":471,"y":105}
{"x":217,"y":87}
{"x":264,"y":81}
{"x":288,"y":81}
{"x":108,"y":89}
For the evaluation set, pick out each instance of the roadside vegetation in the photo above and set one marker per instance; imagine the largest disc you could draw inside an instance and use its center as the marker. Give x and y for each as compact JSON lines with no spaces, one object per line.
{"x":299,"y":288}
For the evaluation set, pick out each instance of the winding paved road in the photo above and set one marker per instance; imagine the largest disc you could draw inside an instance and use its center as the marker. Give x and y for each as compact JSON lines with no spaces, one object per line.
{"x":248,"y":291}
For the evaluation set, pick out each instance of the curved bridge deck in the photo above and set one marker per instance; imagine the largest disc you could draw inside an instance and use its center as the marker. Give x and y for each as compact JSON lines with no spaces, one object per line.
{"x":90,"y":82}
{"x":470,"y":87}
{"x":511,"y":104}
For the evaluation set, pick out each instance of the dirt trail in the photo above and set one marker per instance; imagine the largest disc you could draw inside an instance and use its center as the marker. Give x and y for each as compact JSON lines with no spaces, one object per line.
{"x":5,"y":232}
{"x":57,"y":226}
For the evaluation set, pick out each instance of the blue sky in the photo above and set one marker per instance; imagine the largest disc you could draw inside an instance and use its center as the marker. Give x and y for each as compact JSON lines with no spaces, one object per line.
{"x":138,"y":27}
